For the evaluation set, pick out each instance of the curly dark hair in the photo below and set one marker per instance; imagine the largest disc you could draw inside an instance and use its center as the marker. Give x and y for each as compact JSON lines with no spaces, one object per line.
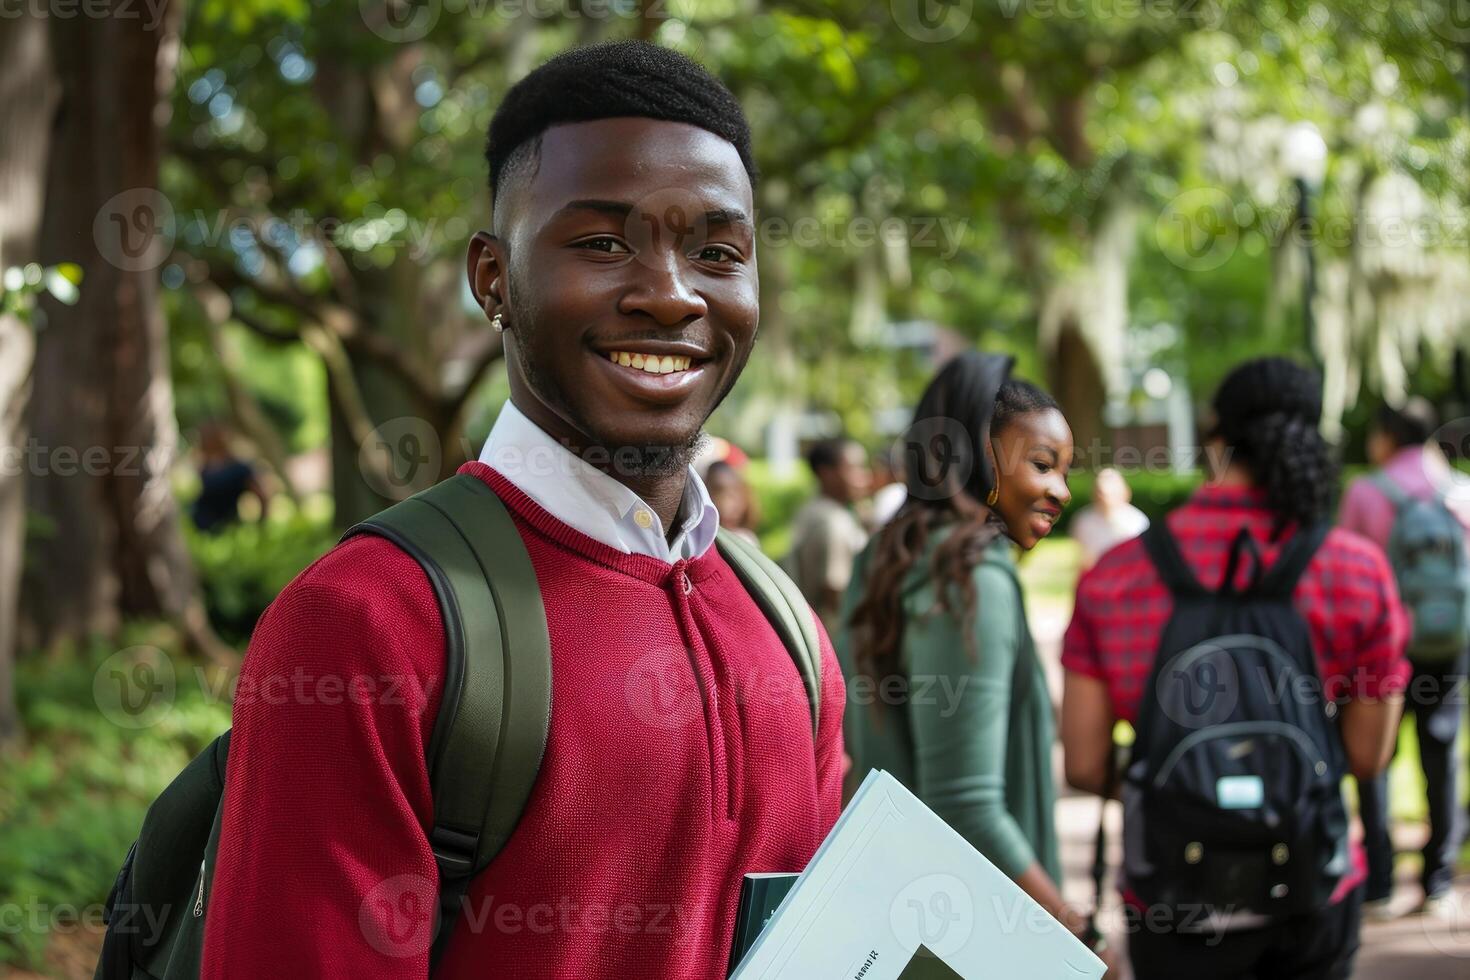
{"x":1267,"y":411}
{"x":948,"y":478}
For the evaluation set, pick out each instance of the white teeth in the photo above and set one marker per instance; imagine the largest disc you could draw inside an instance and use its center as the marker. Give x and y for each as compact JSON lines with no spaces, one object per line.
{"x":651,"y":363}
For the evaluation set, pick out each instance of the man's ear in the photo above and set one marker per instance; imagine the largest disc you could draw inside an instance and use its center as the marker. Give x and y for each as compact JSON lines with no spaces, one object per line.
{"x":485,"y":265}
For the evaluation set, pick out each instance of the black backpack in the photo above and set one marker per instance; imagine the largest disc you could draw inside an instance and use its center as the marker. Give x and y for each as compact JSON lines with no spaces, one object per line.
{"x":1232,"y":798}
{"x":488,"y":739}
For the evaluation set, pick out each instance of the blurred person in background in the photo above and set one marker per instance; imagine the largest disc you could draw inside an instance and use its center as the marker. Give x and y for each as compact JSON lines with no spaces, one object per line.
{"x":224,"y":479}
{"x":936,"y":607}
{"x":1273,"y":475}
{"x":1401,"y":497}
{"x":1109,"y":520}
{"x":733,"y":498}
{"x":826,"y":533}
{"x":889,"y":491}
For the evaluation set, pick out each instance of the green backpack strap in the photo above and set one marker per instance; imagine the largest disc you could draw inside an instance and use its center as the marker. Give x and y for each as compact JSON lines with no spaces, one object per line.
{"x":785,"y":608}
{"x":490,"y":735}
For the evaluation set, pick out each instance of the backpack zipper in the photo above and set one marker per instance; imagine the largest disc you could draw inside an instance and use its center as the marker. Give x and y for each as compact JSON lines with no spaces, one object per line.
{"x":199,"y":902}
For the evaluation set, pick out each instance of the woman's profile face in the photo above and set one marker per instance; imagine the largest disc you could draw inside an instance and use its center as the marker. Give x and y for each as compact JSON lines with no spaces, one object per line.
{"x":1033,"y":454}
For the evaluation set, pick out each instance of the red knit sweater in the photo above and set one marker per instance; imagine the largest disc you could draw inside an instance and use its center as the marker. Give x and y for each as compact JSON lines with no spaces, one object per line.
{"x":680,"y":757}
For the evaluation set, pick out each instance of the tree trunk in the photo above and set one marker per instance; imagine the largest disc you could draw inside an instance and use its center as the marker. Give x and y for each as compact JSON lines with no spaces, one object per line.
{"x":102,"y":410}
{"x":27,"y":100}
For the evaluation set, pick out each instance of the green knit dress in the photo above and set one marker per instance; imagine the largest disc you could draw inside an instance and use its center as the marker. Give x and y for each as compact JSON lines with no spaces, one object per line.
{"x":970,"y":735}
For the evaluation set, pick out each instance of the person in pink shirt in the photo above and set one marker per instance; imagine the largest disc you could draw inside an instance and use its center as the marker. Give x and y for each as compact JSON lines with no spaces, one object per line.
{"x":1399,"y":446}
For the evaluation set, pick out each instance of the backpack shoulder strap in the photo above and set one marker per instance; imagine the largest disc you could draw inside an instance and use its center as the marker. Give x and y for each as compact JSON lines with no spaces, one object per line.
{"x":490,"y":735}
{"x":1283,"y":576}
{"x":1164,"y":551}
{"x":1390,"y":489}
{"x":785,"y":608}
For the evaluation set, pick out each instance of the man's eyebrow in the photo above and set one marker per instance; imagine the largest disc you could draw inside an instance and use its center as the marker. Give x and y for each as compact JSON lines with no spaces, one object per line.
{"x":621,"y":209}
{"x":618,"y":209}
{"x":726,"y":216}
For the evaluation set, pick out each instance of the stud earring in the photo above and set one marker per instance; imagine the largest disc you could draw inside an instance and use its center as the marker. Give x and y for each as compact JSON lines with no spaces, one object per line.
{"x":497,"y":323}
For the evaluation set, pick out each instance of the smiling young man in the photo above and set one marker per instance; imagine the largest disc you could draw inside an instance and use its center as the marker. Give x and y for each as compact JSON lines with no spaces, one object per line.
{"x":680,"y":753}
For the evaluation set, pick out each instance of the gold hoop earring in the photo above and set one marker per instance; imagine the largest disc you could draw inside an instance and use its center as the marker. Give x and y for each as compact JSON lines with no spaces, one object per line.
{"x":993,"y":496}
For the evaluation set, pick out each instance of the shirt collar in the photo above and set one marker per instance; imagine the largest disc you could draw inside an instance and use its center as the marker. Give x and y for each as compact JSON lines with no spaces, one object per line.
{"x":585,"y":498}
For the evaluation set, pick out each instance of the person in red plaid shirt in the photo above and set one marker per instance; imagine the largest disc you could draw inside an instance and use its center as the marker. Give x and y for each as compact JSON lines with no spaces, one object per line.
{"x":1272,"y":472}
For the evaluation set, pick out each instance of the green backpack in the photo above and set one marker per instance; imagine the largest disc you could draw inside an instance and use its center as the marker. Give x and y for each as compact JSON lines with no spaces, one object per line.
{"x":496,"y":706}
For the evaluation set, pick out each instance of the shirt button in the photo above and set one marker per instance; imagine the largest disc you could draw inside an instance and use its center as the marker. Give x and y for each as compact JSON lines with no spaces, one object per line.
{"x":643,"y":518}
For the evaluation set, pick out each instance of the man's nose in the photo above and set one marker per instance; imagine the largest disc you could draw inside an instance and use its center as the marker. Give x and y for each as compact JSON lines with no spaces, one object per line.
{"x":662,"y":290}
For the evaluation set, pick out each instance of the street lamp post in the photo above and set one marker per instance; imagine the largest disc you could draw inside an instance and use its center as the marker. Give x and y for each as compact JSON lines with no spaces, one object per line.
{"x":1304,"y":153}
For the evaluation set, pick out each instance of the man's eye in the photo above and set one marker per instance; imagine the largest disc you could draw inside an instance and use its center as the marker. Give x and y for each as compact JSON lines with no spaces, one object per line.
{"x":603,"y":243}
{"x":716,"y":253}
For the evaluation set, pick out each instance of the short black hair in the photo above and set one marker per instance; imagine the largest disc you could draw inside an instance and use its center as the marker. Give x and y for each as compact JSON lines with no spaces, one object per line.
{"x":1411,"y":425}
{"x":610,"y":80}
{"x":828,"y":452}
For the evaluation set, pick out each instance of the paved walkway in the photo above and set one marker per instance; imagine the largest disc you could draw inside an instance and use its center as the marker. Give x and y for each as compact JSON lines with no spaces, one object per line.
{"x":1409,"y":948}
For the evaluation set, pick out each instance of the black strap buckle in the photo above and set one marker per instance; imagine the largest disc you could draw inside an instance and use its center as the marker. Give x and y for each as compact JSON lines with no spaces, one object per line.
{"x":454,"y":850}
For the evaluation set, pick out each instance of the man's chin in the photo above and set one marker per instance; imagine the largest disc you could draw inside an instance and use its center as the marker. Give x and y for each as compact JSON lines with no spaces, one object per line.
{"x":656,"y":454}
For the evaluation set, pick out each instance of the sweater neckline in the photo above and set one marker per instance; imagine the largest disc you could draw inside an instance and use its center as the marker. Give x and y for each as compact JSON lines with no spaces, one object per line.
{"x":644,"y":567}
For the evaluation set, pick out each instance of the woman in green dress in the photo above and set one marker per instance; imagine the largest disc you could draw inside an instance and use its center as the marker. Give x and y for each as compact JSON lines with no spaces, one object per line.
{"x":944,"y":688}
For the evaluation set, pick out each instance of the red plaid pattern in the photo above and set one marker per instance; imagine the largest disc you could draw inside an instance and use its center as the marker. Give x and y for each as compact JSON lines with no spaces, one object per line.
{"x":1347,"y":595}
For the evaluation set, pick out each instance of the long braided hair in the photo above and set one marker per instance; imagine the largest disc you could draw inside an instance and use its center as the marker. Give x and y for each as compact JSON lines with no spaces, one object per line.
{"x":949,"y":473}
{"x":1267,"y":411}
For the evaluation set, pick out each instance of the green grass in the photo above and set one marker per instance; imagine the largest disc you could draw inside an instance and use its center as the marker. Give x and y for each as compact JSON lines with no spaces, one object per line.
{"x":73,"y":797}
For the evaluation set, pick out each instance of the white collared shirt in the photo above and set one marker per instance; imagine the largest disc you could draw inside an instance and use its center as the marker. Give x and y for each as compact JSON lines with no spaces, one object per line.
{"x":584,"y":497}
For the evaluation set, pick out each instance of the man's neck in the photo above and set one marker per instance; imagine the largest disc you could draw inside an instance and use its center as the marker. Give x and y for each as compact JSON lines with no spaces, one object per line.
{"x":663,"y":492}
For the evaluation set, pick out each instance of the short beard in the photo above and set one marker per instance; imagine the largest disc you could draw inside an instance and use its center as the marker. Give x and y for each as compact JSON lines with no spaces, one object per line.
{"x":654,"y":461}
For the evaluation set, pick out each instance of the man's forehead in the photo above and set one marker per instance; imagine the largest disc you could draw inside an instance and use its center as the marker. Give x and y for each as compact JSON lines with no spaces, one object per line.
{"x":629,"y":159}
